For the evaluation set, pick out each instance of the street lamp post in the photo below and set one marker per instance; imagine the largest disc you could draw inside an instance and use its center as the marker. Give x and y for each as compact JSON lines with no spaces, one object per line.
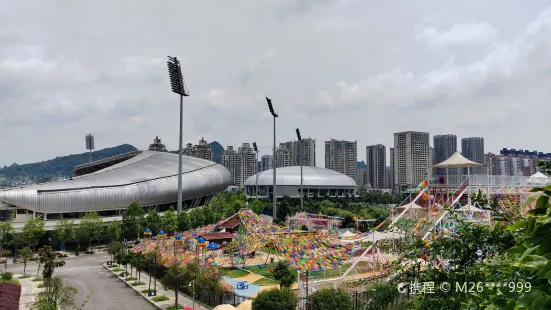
{"x":178,"y":86}
{"x":192,"y":285}
{"x":256,"y":167}
{"x":275,"y":115}
{"x":301,"y":178}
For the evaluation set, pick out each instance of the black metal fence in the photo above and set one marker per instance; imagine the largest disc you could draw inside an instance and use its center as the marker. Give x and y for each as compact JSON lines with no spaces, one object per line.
{"x":360,"y":301}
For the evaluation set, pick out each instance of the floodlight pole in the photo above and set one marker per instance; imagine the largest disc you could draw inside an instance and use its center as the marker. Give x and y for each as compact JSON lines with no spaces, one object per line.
{"x":275,"y":166}
{"x":179,"y":87}
{"x":179,"y":204}
{"x":256,"y":167}
{"x":301,"y":177}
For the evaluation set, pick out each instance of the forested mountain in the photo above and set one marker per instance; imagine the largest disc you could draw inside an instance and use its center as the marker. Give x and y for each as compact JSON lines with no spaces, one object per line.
{"x":58,"y":167}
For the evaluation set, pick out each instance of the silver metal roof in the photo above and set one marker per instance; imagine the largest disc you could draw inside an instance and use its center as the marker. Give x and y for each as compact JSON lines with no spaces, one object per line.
{"x":312,"y":176}
{"x":150,"y":178}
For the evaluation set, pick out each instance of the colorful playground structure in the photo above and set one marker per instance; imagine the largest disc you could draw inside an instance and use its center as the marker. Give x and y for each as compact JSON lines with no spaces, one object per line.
{"x":323,"y":257}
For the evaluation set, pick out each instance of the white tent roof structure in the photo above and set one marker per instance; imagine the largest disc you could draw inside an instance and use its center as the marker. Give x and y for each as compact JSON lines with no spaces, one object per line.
{"x":412,"y":205}
{"x":539,"y":178}
{"x":457,"y":161}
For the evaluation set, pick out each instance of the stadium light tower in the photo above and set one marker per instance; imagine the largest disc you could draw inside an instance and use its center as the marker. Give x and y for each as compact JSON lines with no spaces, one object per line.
{"x":90,"y":145}
{"x":256,"y":167}
{"x":274,"y":114}
{"x":178,"y":86}
{"x":301,"y":178}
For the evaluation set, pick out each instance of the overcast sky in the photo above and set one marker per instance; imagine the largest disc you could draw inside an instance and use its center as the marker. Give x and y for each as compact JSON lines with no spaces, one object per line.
{"x":351,"y":69}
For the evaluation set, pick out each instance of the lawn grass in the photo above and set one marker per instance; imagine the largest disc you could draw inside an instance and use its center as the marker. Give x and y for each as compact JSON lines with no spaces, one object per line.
{"x":233,"y":273}
{"x":138,"y":283}
{"x":260,"y":271}
{"x":175,"y":308}
{"x":145,"y":292}
{"x":330,"y":273}
{"x":12,"y":281}
{"x":262,"y":282}
{"x":160,"y":298}
{"x":270,"y":251}
{"x":38,"y":280}
{"x":131,"y":279}
{"x":113,"y":266}
{"x":24,"y":277}
{"x":117,"y":270}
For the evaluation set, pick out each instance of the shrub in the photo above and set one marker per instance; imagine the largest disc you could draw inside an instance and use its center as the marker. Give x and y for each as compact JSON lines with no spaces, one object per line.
{"x":275,"y":299}
{"x":330,"y":298}
{"x":159,"y":298}
{"x":6,"y":276}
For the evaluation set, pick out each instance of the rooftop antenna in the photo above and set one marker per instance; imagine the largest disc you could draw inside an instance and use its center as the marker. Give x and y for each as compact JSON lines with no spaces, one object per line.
{"x":90,"y":145}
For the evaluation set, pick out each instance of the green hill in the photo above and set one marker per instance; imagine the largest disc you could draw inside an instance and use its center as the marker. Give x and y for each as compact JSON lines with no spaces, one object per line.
{"x":59,"y":167}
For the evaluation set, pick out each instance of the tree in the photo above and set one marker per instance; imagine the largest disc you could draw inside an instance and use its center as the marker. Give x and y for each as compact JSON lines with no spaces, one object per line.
{"x":170,"y":221}
{"x":25,"y":255}
{"x":275,"y":299}
{"x":47,"y":258}
{"x":284,"y":274}
{"x":91,"y":225}
{"x":114,"y":231}
{"x":6,"y":253}
{"x":6,"y":231}
{"x":33,"y":231}
{"x":173,"y":279}
{"x":197,"y":218}
{"x":133,"y":219}
{"x":115,"y":249}
{"x":65,"y":231}
{"x":153,"y":221}
{"x":330,"y":298}
{"x":57,"y":295}
{"x":184,"y":223}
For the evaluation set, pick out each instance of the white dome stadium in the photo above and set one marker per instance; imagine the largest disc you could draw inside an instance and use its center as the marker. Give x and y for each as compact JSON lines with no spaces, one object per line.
{"x":316,"y":181}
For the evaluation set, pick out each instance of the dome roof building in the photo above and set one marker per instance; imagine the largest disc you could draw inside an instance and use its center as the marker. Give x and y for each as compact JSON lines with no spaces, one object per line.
{"x":316,"y":182}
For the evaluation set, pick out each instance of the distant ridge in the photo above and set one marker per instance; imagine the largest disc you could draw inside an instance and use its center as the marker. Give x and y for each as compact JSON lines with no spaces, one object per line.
{"x":59,"y":167}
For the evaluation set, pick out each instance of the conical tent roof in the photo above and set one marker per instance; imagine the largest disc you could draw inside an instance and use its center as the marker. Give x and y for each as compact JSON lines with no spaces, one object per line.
{"x":457,"y":161}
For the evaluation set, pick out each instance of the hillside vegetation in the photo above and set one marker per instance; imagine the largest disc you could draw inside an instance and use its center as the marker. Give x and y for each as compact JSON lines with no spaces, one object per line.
{"x":58,"y":167}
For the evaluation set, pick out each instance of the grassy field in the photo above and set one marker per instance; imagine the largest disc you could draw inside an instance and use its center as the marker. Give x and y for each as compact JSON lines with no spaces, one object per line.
{"x":233,"y":273}
{"x":262,"y":282}
{"x":331,"y":273}
{"x":270,"y":251}
{"x":261,"y":271}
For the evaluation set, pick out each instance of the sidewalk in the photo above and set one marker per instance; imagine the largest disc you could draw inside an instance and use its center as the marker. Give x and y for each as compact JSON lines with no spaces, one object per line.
{"x":29,"y":291}
{"x":183,"y":300}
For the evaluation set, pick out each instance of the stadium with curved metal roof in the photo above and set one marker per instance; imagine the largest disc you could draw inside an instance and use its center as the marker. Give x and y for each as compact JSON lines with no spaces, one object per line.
{"x":110,"y":185}
{"x":317,"y":181}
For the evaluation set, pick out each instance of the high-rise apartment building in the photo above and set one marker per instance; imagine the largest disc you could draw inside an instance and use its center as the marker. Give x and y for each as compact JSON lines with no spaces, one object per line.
{"x":361,"y":178}
{"x":444,"y":147}
{"x":157,"y":145}
{"x":342,"y":156}
{"x":411,"y":159}
{"x":376,"y":166}
{"x":241,"y":163}
{"x":230,"y":160}
{"x":267,"y":162}
{"x":247,"y":163}
{"x":301,"y":152}
{"x":201,"y":150}
{"x":391,"y":183}
{"x":473,"y":149}
{"x":283,"y":156}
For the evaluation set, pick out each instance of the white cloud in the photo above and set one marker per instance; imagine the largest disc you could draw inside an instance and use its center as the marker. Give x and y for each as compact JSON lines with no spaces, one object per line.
{"x":256,"y":61}
{"x":464,"y":34}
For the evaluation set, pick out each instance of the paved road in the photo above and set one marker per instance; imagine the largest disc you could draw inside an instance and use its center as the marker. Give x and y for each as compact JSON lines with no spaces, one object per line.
{"x":88,"y":276}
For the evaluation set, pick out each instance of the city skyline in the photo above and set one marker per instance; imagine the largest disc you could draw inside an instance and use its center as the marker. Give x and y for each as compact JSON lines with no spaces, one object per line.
{"x":433,"y":62}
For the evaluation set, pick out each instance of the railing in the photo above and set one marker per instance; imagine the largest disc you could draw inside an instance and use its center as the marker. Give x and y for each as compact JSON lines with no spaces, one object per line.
{"x":496,"y":180}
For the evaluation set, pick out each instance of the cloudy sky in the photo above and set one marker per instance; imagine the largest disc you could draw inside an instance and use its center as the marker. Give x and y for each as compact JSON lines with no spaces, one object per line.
{"x":350,"y":69}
